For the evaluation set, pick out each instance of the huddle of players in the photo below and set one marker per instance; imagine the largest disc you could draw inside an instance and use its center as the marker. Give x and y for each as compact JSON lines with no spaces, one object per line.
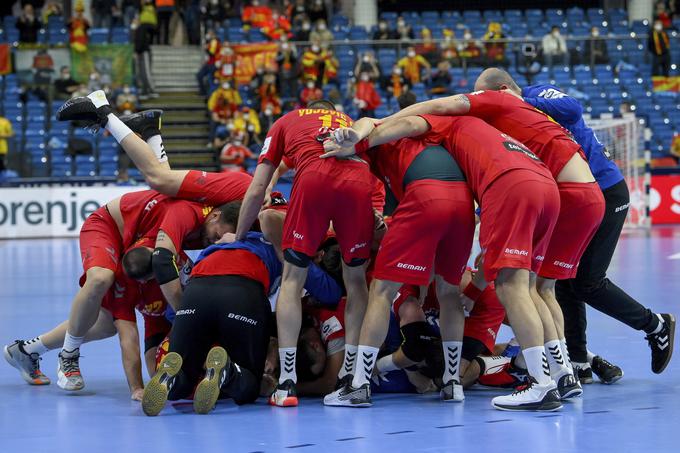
{"x":540,"y":208}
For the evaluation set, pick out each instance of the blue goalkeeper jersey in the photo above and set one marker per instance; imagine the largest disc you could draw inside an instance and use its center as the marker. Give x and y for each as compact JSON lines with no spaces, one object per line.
{"x":568,"y":112}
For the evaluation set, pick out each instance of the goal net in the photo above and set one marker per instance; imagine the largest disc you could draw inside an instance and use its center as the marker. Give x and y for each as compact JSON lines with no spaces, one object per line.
{"x":624,"y":140}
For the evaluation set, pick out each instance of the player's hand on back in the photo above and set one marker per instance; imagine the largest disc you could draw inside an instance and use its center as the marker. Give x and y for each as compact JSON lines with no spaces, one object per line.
{"x":227,"y":238}
{"x":345,"y":136}
{"x":332,"y":149}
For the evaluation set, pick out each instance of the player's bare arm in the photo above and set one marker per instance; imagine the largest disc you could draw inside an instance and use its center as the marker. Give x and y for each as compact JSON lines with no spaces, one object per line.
{"x":458,"y":104}
{"x":280,"y":171}
{"x":130,"y":354}
{"x":252,"y":202}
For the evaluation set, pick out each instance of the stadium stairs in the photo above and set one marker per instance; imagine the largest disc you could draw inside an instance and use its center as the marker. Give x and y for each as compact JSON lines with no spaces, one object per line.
{"x":185,"y":121}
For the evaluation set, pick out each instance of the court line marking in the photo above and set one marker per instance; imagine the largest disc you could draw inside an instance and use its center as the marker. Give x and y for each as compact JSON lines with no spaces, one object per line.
{"x":449,"y":426}
{"x":400,"y":432}
{"x":349,"y":438}
{"x":301,"y":446}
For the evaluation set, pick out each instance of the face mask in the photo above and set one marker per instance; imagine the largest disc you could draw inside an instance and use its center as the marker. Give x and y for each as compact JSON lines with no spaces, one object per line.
{"x":310,"y":85}
{"x":401,"y":23}
{"x":411,"y":54}
{"x":268,"y":112}
{"x":596,"y":33}
{"x":228,"y":51}
{"x":382,"y":26}
{"x":66,"y":75}
{"x":556,"y":33}
{"x":322,"y":27}
{"x":226,"y":86}
{"x":256,"y":3}
{"x":230,"y":127}
{"x":315,"y":49}
{"x":658,"y":27}
{"x":397,"y":71}
{"x":365,"y":78}
{"x":306,"y":26}
{"x":467,"y":36}
{"x":93,"y":77}
{"x":126,"y":90}
{"x":237,"y":142}
{"x":367,"y":58}
{"x":284,"y":46}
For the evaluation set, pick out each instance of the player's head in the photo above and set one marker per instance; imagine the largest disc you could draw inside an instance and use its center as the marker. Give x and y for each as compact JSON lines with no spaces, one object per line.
{"x":406,"y":99}
{"x":220,"y":221}
{"x":137,"y":264}
{"x":311,"y":352}
{"x":329,"y":258}
{"x":496,"y":79}
{"x":321,"y":104}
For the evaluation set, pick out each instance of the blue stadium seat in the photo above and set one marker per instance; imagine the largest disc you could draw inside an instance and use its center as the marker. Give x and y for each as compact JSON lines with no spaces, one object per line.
{"x":99,"y":35}
{"x":120,"y":36}
{"x":108,"y":169}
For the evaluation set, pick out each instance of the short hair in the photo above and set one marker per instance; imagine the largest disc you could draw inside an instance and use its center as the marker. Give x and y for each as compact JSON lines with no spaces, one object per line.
{"x":137,"y":263}
{"x":229,"y":212}
{"x":406,"y":99}
{"x":321,"y":104}
{"x":494,"y":78}
{"x":331,"y":262}
{"x":305,"y":359}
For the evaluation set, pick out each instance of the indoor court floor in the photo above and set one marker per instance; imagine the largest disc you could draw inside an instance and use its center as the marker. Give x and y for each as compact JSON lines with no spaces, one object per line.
{"x":639,"y":413}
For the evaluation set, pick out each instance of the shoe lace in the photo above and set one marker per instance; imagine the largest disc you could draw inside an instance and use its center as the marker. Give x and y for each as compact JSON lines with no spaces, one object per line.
{"x":523,"y":388}
{"x":35,"y":363}
{"x":70,"y":364}
{"x":606,"y":363}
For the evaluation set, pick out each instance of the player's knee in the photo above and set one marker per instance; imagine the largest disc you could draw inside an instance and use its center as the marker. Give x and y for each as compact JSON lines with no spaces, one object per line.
{"x":99,"y":279}
{"x":418,"y":340}
{"x":298,"y":259}
{"x":410,"y":312}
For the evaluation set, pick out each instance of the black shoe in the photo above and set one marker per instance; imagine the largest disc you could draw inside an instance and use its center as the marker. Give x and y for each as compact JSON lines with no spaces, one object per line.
{"x":569,"y":387}
{"x":585,"y":375}
{"x":662,"y":343}
{"x":344,"y":381}
{"x":146,"y":123}
{"x":606,"y":371}
{"x":83,"y":110}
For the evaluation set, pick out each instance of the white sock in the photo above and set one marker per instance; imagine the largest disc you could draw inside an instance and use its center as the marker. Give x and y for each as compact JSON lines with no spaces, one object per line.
{"x":35,"y":346}
{"x":537,"y":364}
{"x":365,"y":364}
{"x":565,"y":353}
{"x":386,"y":364}
{"x":287,"y":362}
{"x":452,"y":351}
{"x":349,"y":362}
{"x":555,"y":358}
{"x":590,"y":356}
{"x":117,"y":128}
{"x":71,"y":343}
{"x":658,"y":327}
{"x":520,"y":362}
{"x":156,"y":144}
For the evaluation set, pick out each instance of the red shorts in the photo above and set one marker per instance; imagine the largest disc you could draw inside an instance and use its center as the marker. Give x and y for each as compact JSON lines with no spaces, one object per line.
{"x":316,"y":200}
{"x":485,"y":319}
{"x":581,"y":212}
{"x":100,"y":241}
{"x":213,"y":189}
{"x":519,"y":211}
{"x":154,"y":325}
{"x":430,"y":233}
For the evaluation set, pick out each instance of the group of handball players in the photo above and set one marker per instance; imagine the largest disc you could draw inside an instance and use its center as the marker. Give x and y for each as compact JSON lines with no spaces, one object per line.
{"x":246,"y":294}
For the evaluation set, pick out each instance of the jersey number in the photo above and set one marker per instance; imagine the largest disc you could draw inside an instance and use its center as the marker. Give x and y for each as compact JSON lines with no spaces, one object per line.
{"x":327,"y":121}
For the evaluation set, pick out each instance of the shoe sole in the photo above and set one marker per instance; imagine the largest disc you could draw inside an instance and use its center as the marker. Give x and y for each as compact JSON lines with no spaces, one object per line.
{"x":359,"y":405}
{"x":450,"y":400}
{"x":291,"y":401}
{"x":671,"y":339}
{"x":575,"y":393}
{"x":156,"y":391}
{"x":612,"y":380}
{"x":24,"y":376}
{"x":208,"y":390}
{"x":551,"y":407}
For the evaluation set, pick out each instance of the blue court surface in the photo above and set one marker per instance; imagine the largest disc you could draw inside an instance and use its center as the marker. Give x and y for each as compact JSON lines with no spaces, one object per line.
{"x":639,"y":413}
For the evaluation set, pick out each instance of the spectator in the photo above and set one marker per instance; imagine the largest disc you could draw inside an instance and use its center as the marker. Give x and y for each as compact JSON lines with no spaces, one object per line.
{"x":428,"y":49}
{"x":404,"y":31}
{"x":225,"y":65}
{"x":192,"y":20}
{"x":251,"y":124}
{"x":595,"y":51}
{"x":367,"y":64}
{"x":267,"y":118}
{"x":95,"y":82}
{"x":413,"y":66}
{"x":321,"y":33}
{"x":234,"y":154}
{"x":396,"y":84}
{"x":78,"y":26}
{"x":336,"y":98}
{"x":65,"y":86}
{"x":406,"y":99}
{"x":287,"y":62}
{"x":147,"y":16}
{"x":469,"y":50}
{"x":143,"y":34}
{"x":330,"y":67}
{"x":555,"y":48}
{"x":449,"y":50}
{"x":43,"y":67}
{"x":102,"y":11}
{"x":164,"y":11}
{"x":6,"y":133}
{"x":222,"y":104}
{"x":277,"y":27}
{"x":256,"y":15}
{"x":298,"y":13}
{"x":212,"y":49}
{"x":366,"y":98}
{"x":54,"y":9}
{"x":383,"y":32}
{"x":310,"y":93}
{"x":495,"y":48}
{"x":659,"y":46}
{"x":268,"y":93}
{"x":312,"y":63}
{"x":129,"y":9}
{"x":303,"y":32}
{"x":317,"y":11}
{"x":126,"y":101}
{"x":661,"y":14}
{"x":441,"y":79}
{"x":28,"y":25}
{"x":213,"y":14}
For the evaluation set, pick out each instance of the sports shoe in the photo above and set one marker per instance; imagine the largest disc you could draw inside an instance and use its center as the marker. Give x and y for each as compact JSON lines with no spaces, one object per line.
{"x":217,"y":366}
{"x":349,"y":396}
{"x":146,"y":123}
{"x":584,"y":372}
{"x":606,"y":371}
{"x":92,"y":110}
{"x":452,"y":391}
{"x":661,"y":343}
{"x":532,"y":397}
{"x":285,"y":395}
{"x":568,"y":386}
{"x":157,"y":390}
{"x":27,"y":364}
{"x":344,"y":381}
{"x":68,"y":371}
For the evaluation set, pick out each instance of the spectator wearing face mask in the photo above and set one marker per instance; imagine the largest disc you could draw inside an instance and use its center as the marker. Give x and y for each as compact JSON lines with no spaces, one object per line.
{"x":310,"y":93}
{"x":366,"y":98}
{"x":449,"y":49}
{"x":595,"y":49}
{"x":468,"y":49}
{"x":303,"y":32}
{"x":225,"y":65}
{"x":367,"y":64}
{"x":297,"y":12}
{"x":95,"y":82}
{"x":321,"y":33}
{"x":383,"y":32}
{"x":126,"y":101}
{"x":403,"y":31}
{"x":277,"y":27}
{"x":427,"y":48}
{"x":233,"y":155}
{"x":312,"y":63}
{"x":441,"y":79}
{"x":28,"y":25}
{"x":268,"y":93}
{"x":317,"y":11}
{"x":287,"y":62}
{"x":212,"y":48}
{"x":395,"y":83}
{"x":267,"y":118}
{"x":222,"y":104}
{"x":659,"y":47}
{"x":77,"y":27}
{"x":555,"y":48}
{"x":65,"y":86}
{"x":494,"y":45}
{"x":256,"y":15}
{"x":413,"y":66}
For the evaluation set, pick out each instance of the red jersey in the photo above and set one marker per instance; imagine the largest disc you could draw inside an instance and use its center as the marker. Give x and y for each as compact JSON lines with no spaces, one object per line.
{"x":233,"y":262}
{"x":329,"y":321}
{"x":126,"y":295}
{"x":378,"y":195}
{"x":482,"y":151}
{"x":536,"y":129}
{"x":299,"y":135}
{"x":391,"y":160}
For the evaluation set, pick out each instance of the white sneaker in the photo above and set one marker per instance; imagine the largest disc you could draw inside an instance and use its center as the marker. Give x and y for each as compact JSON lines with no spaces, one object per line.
{"x":348,"y":396}
{"x":567,"y":385}
{"x":533,"y":397}
{"x":68,"y":371}
{"x":452,"y":391}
